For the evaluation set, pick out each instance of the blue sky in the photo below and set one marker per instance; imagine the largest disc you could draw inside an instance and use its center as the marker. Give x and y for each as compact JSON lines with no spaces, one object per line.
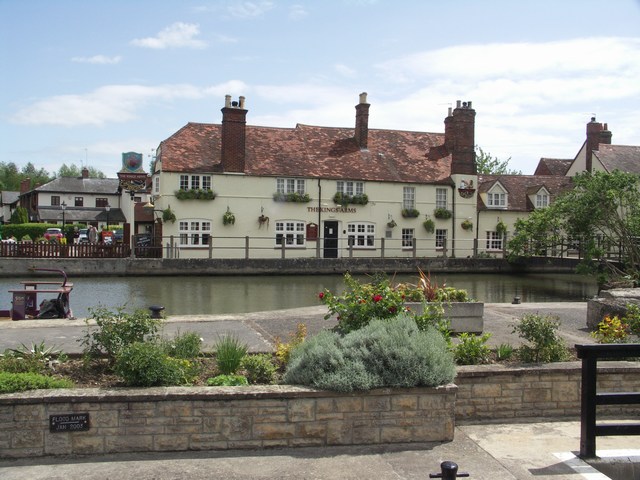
{"x":84,"y":81}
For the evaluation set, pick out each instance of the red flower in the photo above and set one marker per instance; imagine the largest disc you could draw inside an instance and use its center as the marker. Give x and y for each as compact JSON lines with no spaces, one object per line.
{"x":321,"y":295}
{"x":392,"y":309}
{"x":377,"y":298}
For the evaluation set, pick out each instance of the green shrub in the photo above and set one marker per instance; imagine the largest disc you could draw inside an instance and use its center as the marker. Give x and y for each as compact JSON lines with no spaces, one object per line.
{"x":12,"y":364}
{"x":385,"y":353}
{"x":259,"y":368}
{"x":362,"y":302}
{"x":145,"y":364}
{"x":472,"y":349}
{"x":19,"y":382}
{"x":284,"y":349}
{"x":183,"y":345}
{"x":116,"y":330}
{"x":229,"y":354}
{"x":545,"y":345}
{"x":612,"y":329}
{"x":227,"y":381}
{"x":504,"y":352}
{"x":34,"y":359}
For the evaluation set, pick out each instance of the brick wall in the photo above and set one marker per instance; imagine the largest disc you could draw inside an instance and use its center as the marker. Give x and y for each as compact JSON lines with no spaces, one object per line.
{"x":201,"y":418}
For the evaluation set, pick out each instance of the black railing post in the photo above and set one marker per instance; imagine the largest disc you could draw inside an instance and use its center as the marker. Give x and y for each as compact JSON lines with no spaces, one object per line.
{"x":588,"y":407}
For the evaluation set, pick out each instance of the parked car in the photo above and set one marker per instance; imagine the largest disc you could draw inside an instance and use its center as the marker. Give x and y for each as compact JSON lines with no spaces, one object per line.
{"x":53,"y":233}
{"x":83,"y":235}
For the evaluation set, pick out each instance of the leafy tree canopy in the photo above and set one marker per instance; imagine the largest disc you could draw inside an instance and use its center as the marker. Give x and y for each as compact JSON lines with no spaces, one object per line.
{"x":11,"y":176}
{"x":489,"y":165}
{"x":599,"y":215}
{"x":76,"y":171}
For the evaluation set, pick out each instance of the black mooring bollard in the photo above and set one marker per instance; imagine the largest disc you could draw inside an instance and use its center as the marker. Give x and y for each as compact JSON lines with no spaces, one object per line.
{"x":156,"y":311}
{"x":448,"y":471}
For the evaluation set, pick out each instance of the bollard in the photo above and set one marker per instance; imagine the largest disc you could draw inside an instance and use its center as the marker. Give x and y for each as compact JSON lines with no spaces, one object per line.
{"x":156,"y":311}
{"x":448,"y":471}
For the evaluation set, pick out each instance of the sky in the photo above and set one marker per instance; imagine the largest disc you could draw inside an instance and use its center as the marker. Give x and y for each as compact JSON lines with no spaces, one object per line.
{"x":85,"y":80}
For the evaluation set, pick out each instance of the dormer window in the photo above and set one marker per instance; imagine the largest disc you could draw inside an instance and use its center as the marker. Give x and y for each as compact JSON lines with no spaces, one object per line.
{"x":497,"y":197}
{"x":542,"y":198}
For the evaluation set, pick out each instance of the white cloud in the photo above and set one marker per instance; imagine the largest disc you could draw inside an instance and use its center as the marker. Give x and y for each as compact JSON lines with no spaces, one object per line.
{"x":249,"y":9}
{"x":297,"y":12}
{"x":108,"y":104}
{"x":98,"y":60}
{"x":344,"y":70}
{"x":176,"y":35}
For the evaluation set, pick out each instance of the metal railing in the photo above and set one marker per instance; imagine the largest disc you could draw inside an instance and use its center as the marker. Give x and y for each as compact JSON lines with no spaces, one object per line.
{"x":590,"y":398}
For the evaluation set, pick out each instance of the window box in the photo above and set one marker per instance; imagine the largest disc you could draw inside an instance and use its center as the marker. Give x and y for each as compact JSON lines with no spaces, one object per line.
{"x":344,"y":199}
{"x":195,"y":194}
{"x":442,"y":213}
{"x":294,"y":197}
{"x":410,"y":213}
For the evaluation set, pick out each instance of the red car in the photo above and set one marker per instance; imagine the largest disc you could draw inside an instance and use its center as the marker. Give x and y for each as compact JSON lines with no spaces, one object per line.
{"x":53,"y":233}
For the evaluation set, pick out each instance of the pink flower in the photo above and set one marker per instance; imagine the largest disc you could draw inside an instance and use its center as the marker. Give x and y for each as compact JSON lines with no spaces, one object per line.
{"x":321,"y":295}
{"x":377,"y":298}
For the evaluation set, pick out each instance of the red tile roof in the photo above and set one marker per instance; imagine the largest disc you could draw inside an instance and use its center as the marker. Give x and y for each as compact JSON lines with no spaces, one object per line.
{"x":314,"y":152}
{"x":519,"y":187}
{"x":553,"y":166}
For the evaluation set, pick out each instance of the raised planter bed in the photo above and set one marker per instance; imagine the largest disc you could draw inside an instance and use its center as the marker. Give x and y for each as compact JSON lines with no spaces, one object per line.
{"x":464,"y":316}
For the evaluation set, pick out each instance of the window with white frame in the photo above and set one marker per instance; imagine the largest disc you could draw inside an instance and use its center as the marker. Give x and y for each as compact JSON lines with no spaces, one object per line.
{"x":290,"y":185}
{"x":194,"y":233}
{"x":195,"y":182}
{"x":408,"y":197}
{"x":350,"y":188}
{"x":494,"y":240}
{"x":291,"y":232}
{"x":156,"y":185}
{"x":542,"y":199}
{"x":441,"y":238}
{"x":361,"y":234}
{"x":441,"y":198}
{"x":497,"y":197}
{"x":408,"y":234}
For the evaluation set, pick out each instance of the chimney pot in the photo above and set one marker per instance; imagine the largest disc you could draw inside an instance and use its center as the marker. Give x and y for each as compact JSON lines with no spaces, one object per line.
{"x":363,"y":97}
{"x":458,"y":102}
{"x":227,"y":100}
{"x":241,"y":102}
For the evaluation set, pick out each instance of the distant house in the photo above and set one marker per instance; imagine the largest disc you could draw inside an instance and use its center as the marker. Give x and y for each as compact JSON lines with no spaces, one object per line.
{"x":75,"y":200}
{"x":317,"y":191}
{"x":8,"y":203}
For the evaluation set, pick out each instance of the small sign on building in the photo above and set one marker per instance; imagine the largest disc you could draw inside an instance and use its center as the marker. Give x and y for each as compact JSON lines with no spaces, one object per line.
{"x":70,"y":422}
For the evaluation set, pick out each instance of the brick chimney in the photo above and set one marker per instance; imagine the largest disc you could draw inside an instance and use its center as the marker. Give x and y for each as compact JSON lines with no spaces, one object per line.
{"x":234,"y":120}
{"x":362,"y":122}
{"x":459,"y":138}
{"x":25,"y":185}
{"x":597,"y":133}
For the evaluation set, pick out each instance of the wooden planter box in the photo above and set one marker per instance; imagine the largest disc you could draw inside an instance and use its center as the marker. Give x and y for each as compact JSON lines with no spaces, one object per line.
{"x":463,"y":316}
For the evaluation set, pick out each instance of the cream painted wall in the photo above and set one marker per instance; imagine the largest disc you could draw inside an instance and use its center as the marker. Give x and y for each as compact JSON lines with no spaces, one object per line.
{"x":248,"y":197}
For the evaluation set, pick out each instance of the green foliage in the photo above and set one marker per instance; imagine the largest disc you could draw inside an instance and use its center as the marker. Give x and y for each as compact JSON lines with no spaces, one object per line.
{"x":227,"y":381}
{"x":545,"y":345}
{"x":195,"y":194}
{"x":19,"y":215}
{"x":38,"y":353}
{"x":472,"y":349}
{"x":168,"y":215}
{"x":488,"y":165}
{"x":229,"y":354}
{"x":344,"y":199}
{"x":467,"y":225}
{"x":75,"y":171}
{"x":410,"y":213}
{"x":504,"y":352}
{"x":259,"y":368}
{"x":632,"y":317}
{"x":116,"y":330}
{"x":183,"y":345}
{"x":17,"y":364}
{"x":19,"y":382}
{"x":32,"y":230}
{"x":442,"y":213}
{"x":385,"y":353}
{"x":11,"y":177}
{"x":294,"y":197}
{"x":601,"y":211}
{"x":612,"y":329}
{"x":501,"y":228}
{"x":429,"y":225}
{"x":228,"y":218}
{"x":360,"y":303}
{"x":284,"y":349}
{"x":432,"y":316}
{"x":145,"y":364}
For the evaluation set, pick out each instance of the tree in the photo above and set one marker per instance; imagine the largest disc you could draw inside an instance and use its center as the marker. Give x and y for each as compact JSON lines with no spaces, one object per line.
{"x":600,"y":214}
{"x":76,"y":171}
{"x":11,"y":177}
{"x":489,"y":165}
{"x":19,"y":215}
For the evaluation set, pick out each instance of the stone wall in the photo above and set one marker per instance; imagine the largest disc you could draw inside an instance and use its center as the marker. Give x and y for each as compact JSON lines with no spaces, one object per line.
{"x":201,"y":418}
{"x":610,"y":302}
{"x":495,"y":392}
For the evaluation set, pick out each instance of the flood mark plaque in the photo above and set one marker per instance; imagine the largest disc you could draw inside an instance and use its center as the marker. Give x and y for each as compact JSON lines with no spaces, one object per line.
{"x":72,"y":422}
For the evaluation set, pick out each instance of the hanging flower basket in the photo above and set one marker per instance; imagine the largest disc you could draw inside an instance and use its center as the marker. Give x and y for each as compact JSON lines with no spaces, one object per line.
{"x":391,"y":224}
{"x":501,"y":228}
{"x":168,"y":215}
{"x":228,"y":218}
{"x":467,"y":225}
{"x":429,"y":225}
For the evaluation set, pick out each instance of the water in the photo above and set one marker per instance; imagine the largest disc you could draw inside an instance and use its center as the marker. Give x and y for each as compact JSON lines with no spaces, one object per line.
{"x":194,"y":295}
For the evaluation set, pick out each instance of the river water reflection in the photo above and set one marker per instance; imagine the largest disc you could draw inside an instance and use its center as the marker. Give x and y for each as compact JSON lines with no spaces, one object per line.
{"x":193,"y":295}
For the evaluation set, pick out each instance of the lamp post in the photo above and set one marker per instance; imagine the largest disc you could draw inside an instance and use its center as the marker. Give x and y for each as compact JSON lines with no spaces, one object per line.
{"x":107,"y":208}
{"x":63,"y":206}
